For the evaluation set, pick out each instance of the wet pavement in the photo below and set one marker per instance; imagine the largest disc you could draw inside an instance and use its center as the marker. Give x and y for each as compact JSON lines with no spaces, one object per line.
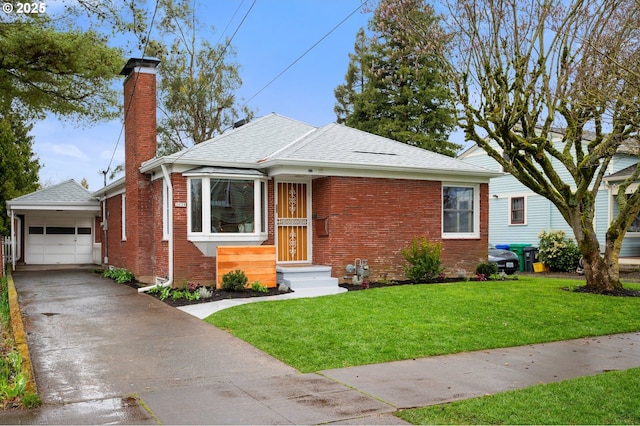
{"x":102,"y":353}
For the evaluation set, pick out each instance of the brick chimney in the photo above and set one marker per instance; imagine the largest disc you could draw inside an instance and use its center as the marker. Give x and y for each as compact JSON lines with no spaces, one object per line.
{"x":139,"y":146}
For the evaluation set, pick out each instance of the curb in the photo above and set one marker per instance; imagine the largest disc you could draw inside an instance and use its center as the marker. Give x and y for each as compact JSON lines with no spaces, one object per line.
{"x":19,"y":335}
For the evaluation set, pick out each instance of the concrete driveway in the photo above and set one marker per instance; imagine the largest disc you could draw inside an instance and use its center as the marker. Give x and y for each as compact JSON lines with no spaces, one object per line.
{"x":102,"y":353}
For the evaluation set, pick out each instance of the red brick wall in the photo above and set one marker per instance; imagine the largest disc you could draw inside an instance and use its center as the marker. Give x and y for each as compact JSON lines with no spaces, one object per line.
{"x":140,"y":146}
{"x":375,"y":219}
{"x":115,"y":247}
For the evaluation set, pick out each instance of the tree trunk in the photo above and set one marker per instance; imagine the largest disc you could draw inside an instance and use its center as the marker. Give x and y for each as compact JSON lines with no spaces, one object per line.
{"x":601,"y":272}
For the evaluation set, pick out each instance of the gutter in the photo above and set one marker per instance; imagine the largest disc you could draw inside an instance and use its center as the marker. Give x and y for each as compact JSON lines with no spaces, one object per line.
{"x":169,"y":281}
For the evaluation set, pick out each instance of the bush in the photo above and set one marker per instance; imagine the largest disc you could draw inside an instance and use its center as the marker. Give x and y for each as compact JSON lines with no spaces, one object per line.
{"x":234,"y":281}
{"x":557,"y":251}
{"x":486,"y":269}
{"x":423,"y":259}
{"x":119,"y":275}
{"x":259,"y":288}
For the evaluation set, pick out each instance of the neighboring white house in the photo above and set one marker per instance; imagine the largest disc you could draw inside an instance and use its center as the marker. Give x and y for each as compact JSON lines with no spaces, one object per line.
{"x":517,"y":214}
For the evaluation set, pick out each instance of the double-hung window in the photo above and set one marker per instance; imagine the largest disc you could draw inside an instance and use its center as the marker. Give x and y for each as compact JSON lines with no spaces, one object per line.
{"x":227,"y":207}
{"x":460,"y":211}
{"x":517,"y":211}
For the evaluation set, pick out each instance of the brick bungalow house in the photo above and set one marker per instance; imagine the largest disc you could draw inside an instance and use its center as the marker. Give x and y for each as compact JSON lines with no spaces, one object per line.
{"x":323,"y":196}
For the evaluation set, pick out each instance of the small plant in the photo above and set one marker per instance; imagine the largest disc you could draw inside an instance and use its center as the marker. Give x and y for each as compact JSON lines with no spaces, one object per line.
{"x":177,"y":294}
{"x":205,"y":293}
{"x":234,"y":281}
{"x":481,"y":277}
{"x":191,"y":295}
{"x":165,"y":292}
{"x":557,"y":251}
{"x":487,"y":269}
{"x":192,"y":286}
{"x":256,"y":286}
{"x":423,"y":258}
{"x":119,"y":275}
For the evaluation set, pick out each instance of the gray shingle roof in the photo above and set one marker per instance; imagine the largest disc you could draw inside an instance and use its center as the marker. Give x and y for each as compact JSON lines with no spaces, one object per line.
{"x":68,"y":192}
{"x":275,"y":140}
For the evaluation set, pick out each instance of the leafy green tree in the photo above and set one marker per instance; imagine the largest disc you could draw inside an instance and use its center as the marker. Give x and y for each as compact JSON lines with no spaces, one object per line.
{"x":198,"y":81}
{"x":18,"y":165}
{"x":47,"y":67}
{"x":521,"y":69}
{"x":394,"y":90}
{"x":65,"y":72}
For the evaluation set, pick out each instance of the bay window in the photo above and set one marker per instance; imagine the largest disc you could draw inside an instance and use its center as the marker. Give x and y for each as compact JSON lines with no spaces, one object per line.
{"x":227,"y":208}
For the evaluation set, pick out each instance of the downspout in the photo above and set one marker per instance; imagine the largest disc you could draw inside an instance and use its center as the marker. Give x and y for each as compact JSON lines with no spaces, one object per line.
{"x":13,"y":241}
{"x":105,"y":234}
{"x":169,"y":281}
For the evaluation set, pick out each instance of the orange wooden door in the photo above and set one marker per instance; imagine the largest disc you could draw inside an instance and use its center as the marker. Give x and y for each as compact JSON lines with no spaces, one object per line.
{"x":292,"y":222}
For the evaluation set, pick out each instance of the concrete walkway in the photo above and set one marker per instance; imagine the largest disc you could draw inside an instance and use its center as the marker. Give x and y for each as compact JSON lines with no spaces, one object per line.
{"x":104,"y":354}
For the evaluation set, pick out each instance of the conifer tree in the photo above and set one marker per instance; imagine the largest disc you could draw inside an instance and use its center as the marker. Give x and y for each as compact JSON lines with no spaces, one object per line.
{"x":393,"y":89}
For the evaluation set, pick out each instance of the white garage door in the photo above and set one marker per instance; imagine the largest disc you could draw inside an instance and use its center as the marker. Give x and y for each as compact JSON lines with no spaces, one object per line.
{"x":59,"y":240}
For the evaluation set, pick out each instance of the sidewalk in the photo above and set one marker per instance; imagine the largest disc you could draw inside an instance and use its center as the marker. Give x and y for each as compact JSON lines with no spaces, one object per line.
{"x":104,"y":354}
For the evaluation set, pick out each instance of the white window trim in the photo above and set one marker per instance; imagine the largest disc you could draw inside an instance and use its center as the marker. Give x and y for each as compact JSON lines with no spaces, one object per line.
{"x":206,"y":235}
{"x":124,"y":217}
{"x":510,"y":211}
{"x":476,"y":212}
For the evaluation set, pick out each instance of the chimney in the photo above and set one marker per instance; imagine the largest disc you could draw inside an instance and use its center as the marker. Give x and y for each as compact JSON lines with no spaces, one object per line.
{"x":140,"y":146}
{"x":139,"y":111}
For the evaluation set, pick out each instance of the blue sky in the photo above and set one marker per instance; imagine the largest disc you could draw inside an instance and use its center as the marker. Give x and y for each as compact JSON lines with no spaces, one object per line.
{"x":274,"y":34}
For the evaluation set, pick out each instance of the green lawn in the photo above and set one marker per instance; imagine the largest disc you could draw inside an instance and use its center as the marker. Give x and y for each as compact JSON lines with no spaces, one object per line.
{"x":404,"y":322}
{"x":609,"y":398}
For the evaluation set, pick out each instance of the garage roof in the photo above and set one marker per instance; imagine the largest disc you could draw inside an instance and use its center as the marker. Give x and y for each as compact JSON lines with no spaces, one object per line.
{"x":65,"y":196}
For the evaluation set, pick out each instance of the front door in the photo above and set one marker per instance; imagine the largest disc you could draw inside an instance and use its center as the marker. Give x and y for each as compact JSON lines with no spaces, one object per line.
{"x":292,"y":222}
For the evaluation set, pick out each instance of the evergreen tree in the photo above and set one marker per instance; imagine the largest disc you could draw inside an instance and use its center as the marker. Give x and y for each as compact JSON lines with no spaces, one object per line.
{"x":18,"y":165}
{"x":393,"y":89}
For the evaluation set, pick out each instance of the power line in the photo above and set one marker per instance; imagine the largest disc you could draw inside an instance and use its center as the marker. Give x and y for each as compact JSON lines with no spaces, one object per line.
{"x":306,"y":52}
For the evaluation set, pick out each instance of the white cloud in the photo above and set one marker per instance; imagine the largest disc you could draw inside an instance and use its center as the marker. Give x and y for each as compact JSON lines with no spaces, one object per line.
{"x":68,"y":150}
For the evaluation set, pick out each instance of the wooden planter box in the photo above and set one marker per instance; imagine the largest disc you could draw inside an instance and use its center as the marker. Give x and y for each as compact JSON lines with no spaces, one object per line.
{"x":257,"y":262}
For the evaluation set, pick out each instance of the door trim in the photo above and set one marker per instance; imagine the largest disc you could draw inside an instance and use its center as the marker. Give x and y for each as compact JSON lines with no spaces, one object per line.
{"x":295,"y":221}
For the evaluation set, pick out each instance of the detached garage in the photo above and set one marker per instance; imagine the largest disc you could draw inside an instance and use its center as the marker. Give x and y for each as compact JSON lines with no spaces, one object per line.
{"x":55,"y":226}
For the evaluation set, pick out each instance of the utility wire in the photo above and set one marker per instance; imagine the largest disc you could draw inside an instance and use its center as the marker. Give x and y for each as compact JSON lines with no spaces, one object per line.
{"x":233,"y":35}
{"x":229,"y":23}
{"x":305,"y":53}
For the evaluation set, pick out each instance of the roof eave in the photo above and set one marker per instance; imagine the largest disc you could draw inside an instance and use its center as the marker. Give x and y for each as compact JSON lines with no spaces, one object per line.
{"x":401,"y":171}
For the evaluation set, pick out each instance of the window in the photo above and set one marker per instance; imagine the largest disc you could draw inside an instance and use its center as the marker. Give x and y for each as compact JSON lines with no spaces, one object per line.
{"x":517,"y":211}
{"x":228,"y":206}
{"x":460,"y":211}
{"x":232,"y":205}
{"x":635,"y":225}
{"x":196,"y":205}
{"x":61,"y":230}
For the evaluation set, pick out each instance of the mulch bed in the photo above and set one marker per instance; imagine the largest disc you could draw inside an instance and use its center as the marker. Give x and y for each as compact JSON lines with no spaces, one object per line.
{"x":631,"y":276}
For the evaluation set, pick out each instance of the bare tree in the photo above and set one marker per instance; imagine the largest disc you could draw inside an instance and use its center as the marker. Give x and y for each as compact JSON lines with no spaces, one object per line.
{"x":520,"y":69}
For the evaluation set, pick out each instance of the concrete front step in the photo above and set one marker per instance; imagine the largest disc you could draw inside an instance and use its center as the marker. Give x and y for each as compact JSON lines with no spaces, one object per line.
{"x":311,"y":276}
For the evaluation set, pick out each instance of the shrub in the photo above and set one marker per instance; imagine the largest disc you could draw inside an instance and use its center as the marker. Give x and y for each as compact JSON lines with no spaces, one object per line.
{"x":423,"y":258}
{"x":234,"y":281}
{"x":204,"y":292}
{"x":557,"y":251}
{"x":119,"y":275}
{"x":256,"y":286}
{"x":487,"y":269}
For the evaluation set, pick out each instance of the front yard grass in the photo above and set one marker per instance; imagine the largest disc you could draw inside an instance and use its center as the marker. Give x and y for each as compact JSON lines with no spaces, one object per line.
{"x":608,"y":398}
{"x":404,"y":322}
